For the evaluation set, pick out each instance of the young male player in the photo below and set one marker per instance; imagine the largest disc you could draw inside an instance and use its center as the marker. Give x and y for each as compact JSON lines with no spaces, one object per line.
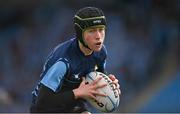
{"x":62,"y":86}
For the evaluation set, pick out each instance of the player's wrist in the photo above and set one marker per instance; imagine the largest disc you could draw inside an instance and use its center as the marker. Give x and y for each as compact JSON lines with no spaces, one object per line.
{"x":76,"y":93}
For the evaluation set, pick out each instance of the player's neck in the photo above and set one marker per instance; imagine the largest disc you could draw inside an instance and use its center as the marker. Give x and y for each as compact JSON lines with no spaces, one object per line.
{"x":85,"y":50}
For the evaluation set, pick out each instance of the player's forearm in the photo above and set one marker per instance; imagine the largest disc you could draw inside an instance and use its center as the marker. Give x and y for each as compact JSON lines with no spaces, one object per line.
{"x":48,"y":98}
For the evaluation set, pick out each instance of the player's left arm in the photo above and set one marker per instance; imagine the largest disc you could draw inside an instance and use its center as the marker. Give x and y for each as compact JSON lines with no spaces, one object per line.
{"x":102,"y":67}
{"x":115,"y":81}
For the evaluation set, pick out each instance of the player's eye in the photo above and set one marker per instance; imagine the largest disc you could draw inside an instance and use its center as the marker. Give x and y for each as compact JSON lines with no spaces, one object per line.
{"x":101,"y":29}
{"x":92,"y":30}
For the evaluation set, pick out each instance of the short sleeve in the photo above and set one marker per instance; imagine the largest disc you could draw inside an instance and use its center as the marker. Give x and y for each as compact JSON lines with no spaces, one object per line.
{"x":53,"y":78}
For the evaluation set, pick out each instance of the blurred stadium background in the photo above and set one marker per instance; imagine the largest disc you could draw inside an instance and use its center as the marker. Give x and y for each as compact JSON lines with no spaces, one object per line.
{"x":142,"y":39}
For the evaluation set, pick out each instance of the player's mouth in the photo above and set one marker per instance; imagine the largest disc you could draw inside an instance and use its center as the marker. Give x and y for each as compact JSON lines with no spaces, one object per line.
{"x":98,"y":44}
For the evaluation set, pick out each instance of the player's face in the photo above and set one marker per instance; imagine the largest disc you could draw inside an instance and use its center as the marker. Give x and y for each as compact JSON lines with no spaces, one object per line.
{"x":94,"y":37}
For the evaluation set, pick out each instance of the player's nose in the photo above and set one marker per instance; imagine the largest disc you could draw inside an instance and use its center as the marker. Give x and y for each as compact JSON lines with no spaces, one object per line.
{"x":97,"y":35}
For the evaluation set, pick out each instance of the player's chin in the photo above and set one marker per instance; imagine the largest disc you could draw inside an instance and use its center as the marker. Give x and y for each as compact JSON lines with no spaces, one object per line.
{"x":97,"y":49}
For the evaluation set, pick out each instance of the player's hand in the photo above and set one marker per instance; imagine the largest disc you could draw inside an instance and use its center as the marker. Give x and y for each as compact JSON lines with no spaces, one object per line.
{"x":115,"y":81}
{"x":89,"y":90}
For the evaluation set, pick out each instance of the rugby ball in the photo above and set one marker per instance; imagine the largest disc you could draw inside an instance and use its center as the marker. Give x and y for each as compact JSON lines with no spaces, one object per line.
{"x":111,"y":101}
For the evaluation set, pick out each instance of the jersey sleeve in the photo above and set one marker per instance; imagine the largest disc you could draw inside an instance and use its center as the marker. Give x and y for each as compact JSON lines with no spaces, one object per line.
{"x":54,"y":76}
{"x":48,"y":100}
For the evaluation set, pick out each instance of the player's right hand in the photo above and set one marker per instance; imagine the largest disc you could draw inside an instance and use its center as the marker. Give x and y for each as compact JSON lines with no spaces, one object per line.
{"x":86,"y":90}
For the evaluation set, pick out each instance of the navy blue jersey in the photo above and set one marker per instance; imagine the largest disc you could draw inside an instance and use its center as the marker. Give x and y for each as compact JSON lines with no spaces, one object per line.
{"x":65,"y":67}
